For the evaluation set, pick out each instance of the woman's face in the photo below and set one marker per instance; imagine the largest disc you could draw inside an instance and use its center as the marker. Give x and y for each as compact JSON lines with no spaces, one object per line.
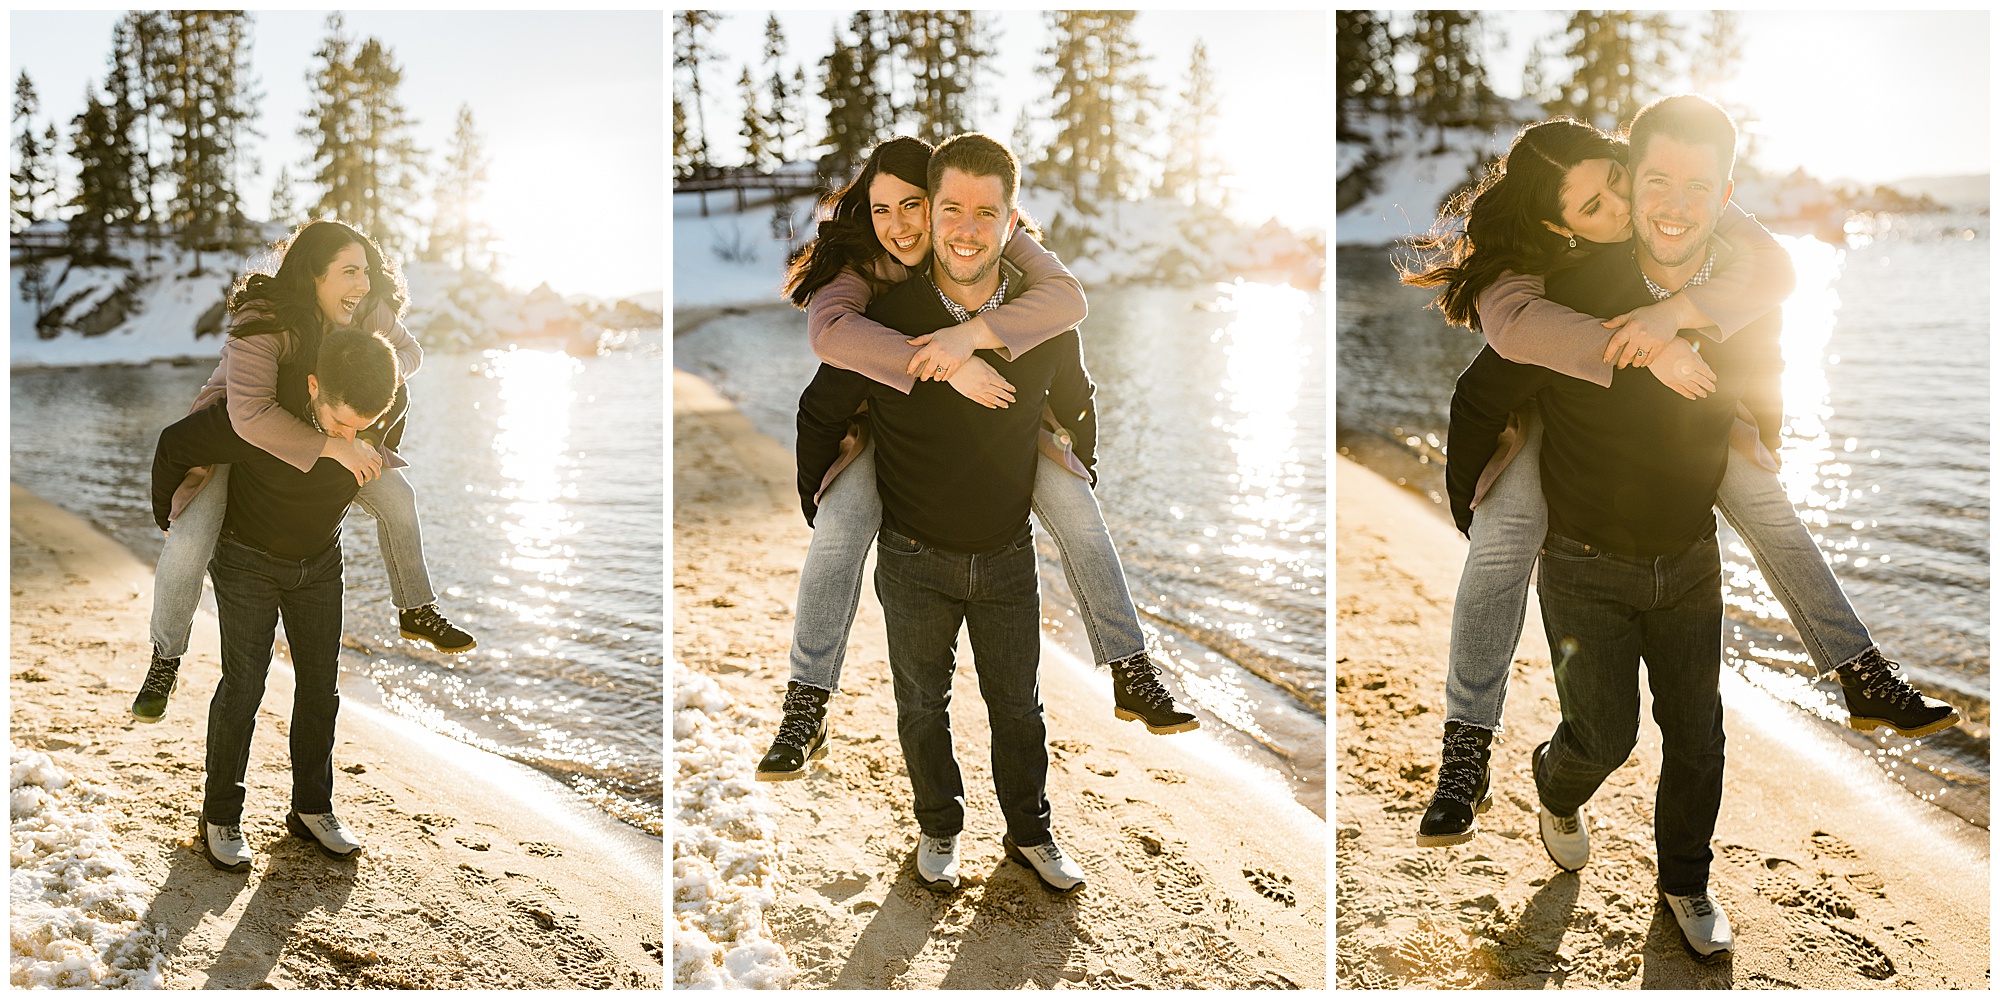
{"x":901,"y":212}
{"x":343,"y":285}
{"x":1597,"y":201}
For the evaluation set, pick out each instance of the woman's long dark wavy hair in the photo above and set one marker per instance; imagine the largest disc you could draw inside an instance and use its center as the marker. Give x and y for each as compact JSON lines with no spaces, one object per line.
{"x":1497,"y":226}
{"x":285,"y":302}
{"x":846,"y":235}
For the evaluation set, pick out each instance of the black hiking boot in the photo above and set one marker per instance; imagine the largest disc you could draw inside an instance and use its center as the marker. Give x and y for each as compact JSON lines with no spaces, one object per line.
{"x":428,"y":624}
{"x":1878,"y":696}
{"x":1138,"y":694}
{"x":162,"y":678}
{"x":802,"y":735}
{"x":1464,"y":788}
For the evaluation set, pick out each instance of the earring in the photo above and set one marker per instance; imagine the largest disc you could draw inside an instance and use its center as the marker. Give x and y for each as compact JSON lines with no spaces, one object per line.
{"x":1572,"y":241}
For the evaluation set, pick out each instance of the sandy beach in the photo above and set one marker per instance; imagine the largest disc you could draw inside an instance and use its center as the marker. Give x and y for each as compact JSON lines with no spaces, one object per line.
{"x":1203,"y":872}
{"x":1833,"y":876}
{"x":478,"y":873}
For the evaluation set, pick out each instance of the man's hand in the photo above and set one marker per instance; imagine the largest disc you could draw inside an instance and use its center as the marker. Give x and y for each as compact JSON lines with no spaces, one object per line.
{"x":359,"y":458}
{"x":977,"y":381}
{"x":949,"y":349}
{"x":1644,"y":332}
{"x":1680,"y":368}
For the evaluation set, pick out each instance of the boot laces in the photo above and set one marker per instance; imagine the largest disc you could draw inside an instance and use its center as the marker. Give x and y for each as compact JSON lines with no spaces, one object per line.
{"x":798,"y":726}
{"x":160,"y":677}
{"x":1879,"y":682}
{"x":1566,"y":825}
{"x":229,"y":834}
{"x":1699,"y":906}
{"x":1142,"y":678}
{"x":431,"y":618}
{"x":1459,"y":772}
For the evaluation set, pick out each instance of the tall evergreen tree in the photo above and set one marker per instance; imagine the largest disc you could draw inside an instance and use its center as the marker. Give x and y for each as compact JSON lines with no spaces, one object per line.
{"x":1448,"y":87}
{"x":1364,"y":68}
{"x":941,"y":53}
{"x":781,"y":117}
{"x":458,"y":236}
{"x":1101,"y":102}
{"x":33,"y":177}
{"x":145,"y":58}
{"x":391,"y":162}
{"x":756,"y":141}
{"x":123,"y":96}
{"x":208,"y":107}
{"x":1618,"y":61}
{"x":857,"y":112}
{"x":104,"y":194}
{"x":692,"y":29}
{"x":683,"y":140}
{"x":332,"y":125}
{"x":1193,"y":170}
{"x":285,"y":209}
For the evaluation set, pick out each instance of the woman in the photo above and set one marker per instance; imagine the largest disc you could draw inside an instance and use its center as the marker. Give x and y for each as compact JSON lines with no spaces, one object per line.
{"x":329,"y":276}
{"x":1562,"y":190}
{"x":876,"y":233}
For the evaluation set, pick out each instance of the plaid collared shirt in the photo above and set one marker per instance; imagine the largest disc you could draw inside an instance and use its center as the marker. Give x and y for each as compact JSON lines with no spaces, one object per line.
{"x":1661,"y":294}
{"x":961,"y":314}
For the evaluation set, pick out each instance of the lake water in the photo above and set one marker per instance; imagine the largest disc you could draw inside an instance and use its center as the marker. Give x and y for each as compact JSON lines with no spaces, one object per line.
{"x":1886,"y":456}
{"x":539,"y":482}
{"x":1212,"y":478}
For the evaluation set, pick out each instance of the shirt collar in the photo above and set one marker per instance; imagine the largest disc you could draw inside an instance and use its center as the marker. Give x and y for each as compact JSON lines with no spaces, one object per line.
{"x":961,"y":314}
{"x":1700,"y":277}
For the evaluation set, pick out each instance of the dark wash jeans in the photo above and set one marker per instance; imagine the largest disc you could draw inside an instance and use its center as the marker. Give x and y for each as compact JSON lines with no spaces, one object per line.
{"x":252,"y":589}
{"x":926,"y":592}
{"x":1604,"y":613}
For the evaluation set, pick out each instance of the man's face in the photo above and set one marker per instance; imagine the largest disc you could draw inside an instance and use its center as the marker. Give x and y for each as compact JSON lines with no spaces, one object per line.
{"x":970,"y":223}
{"x":337,"y":419}
{"x":1678,"y":191}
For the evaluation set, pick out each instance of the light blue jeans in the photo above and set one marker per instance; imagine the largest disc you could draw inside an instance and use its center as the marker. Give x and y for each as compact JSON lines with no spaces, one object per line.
{"x":390,"y":500}
{"x":850,"y":515}
{"x":1507,"y":532}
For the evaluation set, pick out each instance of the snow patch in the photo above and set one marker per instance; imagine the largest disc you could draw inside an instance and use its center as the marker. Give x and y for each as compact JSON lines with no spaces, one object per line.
{"x":726,"y":850}
{"x":77,"y":915}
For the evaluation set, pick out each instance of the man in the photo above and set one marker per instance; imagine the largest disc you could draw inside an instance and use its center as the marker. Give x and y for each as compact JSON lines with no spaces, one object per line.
{"x":279,"y":556}
{"x":956,"y":479}
{"x":1630,"y":569}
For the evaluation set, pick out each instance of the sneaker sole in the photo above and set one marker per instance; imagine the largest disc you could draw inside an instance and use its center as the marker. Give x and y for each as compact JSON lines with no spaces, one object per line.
{"x":298,"y":829}
{"x":163,"y":712}
{"x":937,"y":885}
{"x":1126,"y":715}
{"x":793,"y":775}
{"x":1870,"y":725}
{"x":474,"y":644}
{"x":201,"y":844}
{"x":1014,"y":854}
{"x":1453,"y":839}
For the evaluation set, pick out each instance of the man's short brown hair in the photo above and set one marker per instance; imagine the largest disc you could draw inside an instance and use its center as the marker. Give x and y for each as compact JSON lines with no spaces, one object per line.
{"x":1690,"y":118}
{"x":357,"y":368}
{"x":980,"y":155}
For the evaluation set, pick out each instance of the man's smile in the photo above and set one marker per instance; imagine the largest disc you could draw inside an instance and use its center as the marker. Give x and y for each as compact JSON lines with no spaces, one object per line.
{"x":964,"y":251}
{"x":1669,"y":228}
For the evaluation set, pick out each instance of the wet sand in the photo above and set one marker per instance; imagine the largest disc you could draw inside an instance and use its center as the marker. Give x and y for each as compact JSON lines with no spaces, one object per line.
{"x":1832,"y":875}
{"x":1204,"y":873}
{"x":478,"y":873}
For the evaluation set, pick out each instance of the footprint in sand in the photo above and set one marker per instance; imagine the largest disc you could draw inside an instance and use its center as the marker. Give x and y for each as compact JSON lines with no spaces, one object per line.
{"x":1271,"y":885}
{"x":1166,"y":776}
{"x":1177,"y":882}
{"x":1826,"y":845}
{"x":1787,"y":884}
{"x":541,"y":850}
{"x":1070,"y":746}
{"x":473,"y":842}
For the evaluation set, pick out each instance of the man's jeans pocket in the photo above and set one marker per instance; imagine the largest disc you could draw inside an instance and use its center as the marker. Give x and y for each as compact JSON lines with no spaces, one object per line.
{"x":1568,"y":549}
{"x":892,"y":543}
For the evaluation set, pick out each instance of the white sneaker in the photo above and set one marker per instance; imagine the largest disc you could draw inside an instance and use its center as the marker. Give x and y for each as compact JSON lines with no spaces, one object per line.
{"x":1049,"y":864}
{"x":325,"y":830}
{"x":224,"y":847}
{"x":1567,"y":838}
{"x":1702,"y":922}
{"x":937,"y":861}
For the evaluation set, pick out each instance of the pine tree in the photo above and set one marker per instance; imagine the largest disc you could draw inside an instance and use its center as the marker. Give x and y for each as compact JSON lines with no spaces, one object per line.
{"x":692,"y":29}
{"x":1448,"y":87}
{"x":146,"y":59}
{"x":683,"y":141}
{"x":123,"y":98}
{"x":1193,"y":171}
{"x":1619,"y":60}
{"x":1101,"y":104}
{"x":333,"y":126}
{"x":390,"y":160}
{"x":780,"y":119}
{"x":942,"y":53}
{"x":285,"y":199}
{"x":756,"y":142}
{"x":34,"y":168}
{"x":1364,"y":64}
{"x":208,"y":106}
{"x":104,"y":195}
{"x":458,"y":237}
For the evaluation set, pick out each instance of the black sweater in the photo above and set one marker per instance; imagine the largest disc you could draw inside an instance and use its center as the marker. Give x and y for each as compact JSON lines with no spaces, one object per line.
{"x":272,"y":505}
{"x":952,"y":473}
{"x":1632,"y":468}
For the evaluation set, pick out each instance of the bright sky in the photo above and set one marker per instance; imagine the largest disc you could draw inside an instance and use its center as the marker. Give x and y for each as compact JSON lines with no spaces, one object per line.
{"x":1271,"y":69}
{"x":570,"y":105}
{"x":1865,"y":96}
